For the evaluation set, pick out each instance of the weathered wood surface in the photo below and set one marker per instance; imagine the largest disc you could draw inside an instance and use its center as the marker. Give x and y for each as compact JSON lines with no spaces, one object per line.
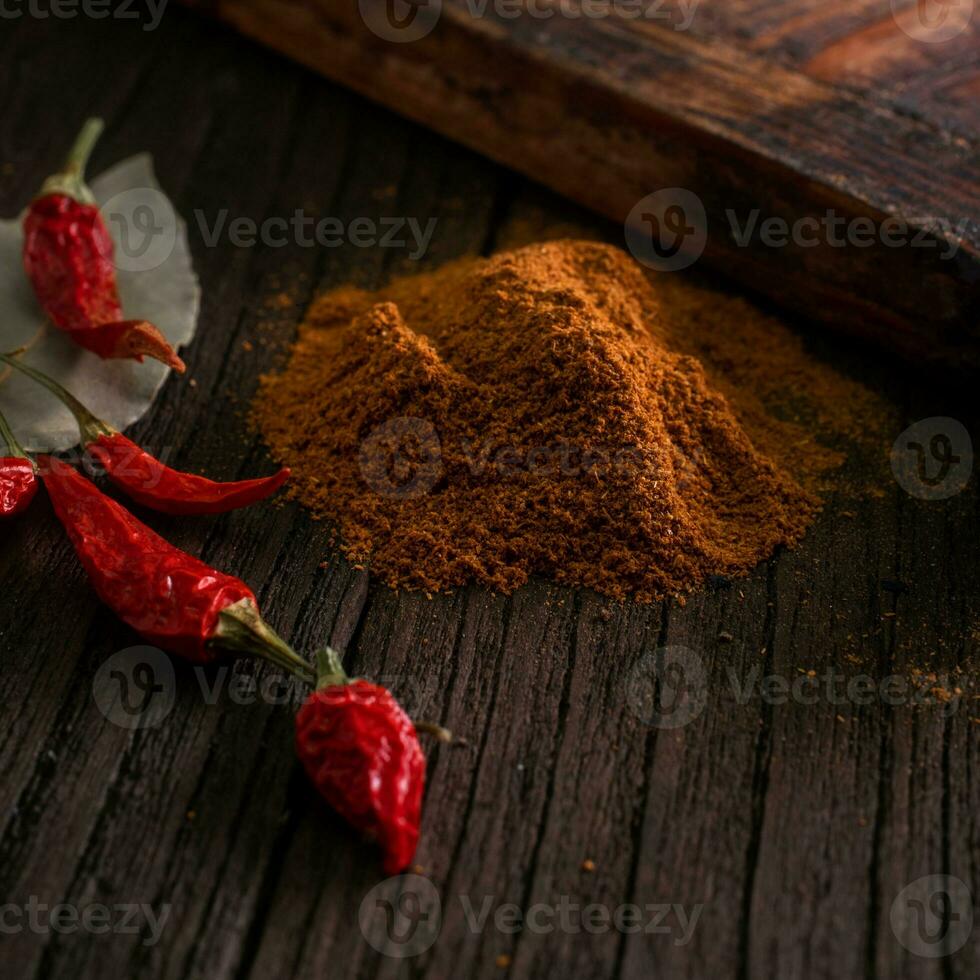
{"x":795,"y":825}
{"x":795,"y":112}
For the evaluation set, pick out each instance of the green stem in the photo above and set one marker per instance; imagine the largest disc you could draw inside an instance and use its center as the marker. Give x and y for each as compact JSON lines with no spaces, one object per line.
{"x":70,"y":179}
{"x":77,"y":159}
{"x":329,"y":670}
{"x":14,"y":448}
{"x":91,"y":426}
{"x":242,"y":630}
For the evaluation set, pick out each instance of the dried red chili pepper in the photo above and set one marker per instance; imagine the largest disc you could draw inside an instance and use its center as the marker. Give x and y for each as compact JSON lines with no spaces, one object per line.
{"x":68,"y":256}
{"x":170,"y":598}
{"x":145,"y":479}
{"x":362,"y":753}
{"x":18,"y":474}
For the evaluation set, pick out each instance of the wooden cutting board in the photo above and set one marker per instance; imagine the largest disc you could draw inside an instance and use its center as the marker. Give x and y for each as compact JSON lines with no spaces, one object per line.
{"x":834,"y":145}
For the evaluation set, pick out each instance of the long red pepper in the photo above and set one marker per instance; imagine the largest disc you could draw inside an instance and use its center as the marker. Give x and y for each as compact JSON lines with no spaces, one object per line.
{"x":356,"y":743}
{"x":18,"y":474}
{"x":68,"y":256}
{"x":170,"y":598}
{"x":146,"y":479}
{"x":362,"y":753}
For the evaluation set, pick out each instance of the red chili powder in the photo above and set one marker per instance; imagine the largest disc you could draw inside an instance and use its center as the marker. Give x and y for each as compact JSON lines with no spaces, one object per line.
{"x":539,"y":412}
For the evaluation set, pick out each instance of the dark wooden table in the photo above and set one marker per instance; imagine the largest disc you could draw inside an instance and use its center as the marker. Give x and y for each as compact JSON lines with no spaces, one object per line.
{"x":760,"y":839}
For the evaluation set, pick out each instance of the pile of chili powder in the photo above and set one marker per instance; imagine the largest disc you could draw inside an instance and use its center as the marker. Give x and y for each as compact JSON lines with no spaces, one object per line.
{"x":524,"y":414}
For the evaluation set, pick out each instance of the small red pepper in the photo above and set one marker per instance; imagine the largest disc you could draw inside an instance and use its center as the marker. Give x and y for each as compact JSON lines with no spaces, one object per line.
{"x":170,"y":598}
{"x":18,"y":475}
{"x":154,"y":485}
{"x":362,"y":753}
{"x":146,"y":479}
{"x":68,"y":256}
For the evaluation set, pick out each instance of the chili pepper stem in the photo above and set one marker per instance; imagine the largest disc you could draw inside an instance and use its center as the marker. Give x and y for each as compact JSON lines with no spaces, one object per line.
{"x":14,"y":448}
{"x":70,"y":179}
{"x":329,"y":670}
{"x":91,"y":427}
{"x":436,"y":731}
{"x":242,"y":630}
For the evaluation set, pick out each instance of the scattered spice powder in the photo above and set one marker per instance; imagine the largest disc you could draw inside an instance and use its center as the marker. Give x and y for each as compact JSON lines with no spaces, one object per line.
{"x":541,"y":411}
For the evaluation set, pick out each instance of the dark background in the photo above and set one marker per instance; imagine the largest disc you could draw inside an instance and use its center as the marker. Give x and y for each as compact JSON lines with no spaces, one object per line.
{"x":796,"y":826}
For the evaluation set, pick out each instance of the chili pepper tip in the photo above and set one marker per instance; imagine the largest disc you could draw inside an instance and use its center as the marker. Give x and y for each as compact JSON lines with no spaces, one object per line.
{"x":138,"y":339}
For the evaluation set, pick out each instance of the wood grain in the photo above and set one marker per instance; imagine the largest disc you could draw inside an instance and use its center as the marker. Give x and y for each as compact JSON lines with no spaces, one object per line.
{"x":793,"y":112}
{"x":795,"y":825}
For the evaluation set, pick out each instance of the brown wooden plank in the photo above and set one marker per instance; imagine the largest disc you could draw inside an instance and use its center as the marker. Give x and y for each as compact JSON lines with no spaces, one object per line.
{"x":606,"y":111}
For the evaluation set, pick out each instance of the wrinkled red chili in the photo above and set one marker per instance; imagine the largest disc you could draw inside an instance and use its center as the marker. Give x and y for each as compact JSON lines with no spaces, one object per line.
{"x":144,"y":478}
{"x":170,"y":598}
{"x":18,"y":474}
{"x":68,"y":257}
{"x":362,"y":753}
